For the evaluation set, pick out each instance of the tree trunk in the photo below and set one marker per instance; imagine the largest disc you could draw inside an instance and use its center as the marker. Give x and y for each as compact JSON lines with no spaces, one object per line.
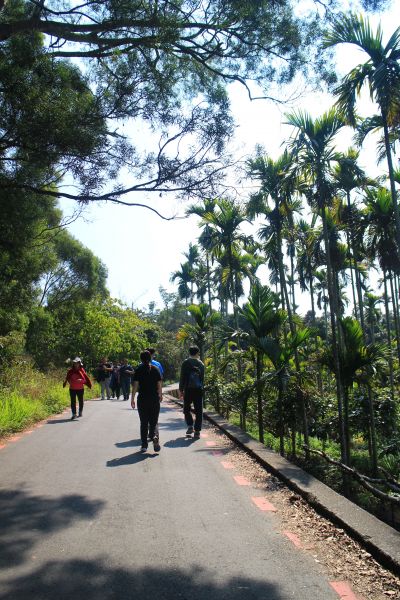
{"x":391,"y":179}
{"x":281,"y":422}
{"x":389,"y":337}
{"x":372,"y":437}
{"x":335,"y":342}
{"x":260,"y":416}
{"x":292,"y":328}
{"x":395,"y":315}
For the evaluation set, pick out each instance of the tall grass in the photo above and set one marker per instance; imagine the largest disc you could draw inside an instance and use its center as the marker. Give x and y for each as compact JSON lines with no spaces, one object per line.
{"x":28,"y":396}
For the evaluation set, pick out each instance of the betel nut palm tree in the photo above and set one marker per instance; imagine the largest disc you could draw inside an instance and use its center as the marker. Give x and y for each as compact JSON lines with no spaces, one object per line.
{"x":314,"y":155}
{"x":184,"y":277}
{"x":380,"y":73}
{"x":278,"y":185}
{"x":264,"y":319}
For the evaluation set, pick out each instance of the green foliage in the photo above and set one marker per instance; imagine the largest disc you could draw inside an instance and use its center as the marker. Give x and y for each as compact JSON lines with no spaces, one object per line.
{"x":28,"y":396}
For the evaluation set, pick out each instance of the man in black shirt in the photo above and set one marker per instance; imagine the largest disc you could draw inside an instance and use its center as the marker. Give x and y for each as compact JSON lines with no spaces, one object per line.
{"x":191,"y":386}
{"x":125,"y":375}
{"x":147,"y":382}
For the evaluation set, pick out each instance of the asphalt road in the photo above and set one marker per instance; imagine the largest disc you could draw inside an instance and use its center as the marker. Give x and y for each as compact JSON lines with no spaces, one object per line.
{"x":85,"y":516}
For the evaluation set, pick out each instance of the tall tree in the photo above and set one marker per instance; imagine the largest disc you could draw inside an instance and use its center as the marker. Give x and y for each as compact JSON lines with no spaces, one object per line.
{"x":265,"y":319}
{"x":380,"y":73}
{"x":165,"y":65}
{"x":315,"y":154}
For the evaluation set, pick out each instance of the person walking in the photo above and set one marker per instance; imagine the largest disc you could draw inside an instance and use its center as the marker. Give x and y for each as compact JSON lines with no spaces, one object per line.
{"x":147,"y":382}
{"x":77,"y":379}
{"x":161,"y":369}
{"x":191,"y":387}
{"x":126,"y":372}
{"x":115,"y":385}
{"x":155,"y":362}
{"x":103,"y":376}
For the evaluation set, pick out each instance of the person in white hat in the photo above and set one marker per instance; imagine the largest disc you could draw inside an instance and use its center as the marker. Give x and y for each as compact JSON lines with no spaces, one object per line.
{"x":77,"y":379}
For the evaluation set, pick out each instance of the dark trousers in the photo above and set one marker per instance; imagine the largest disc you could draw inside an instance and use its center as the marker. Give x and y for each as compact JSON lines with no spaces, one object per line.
{"x":148,"y":414}
{"x":115,"y":389}
{"x":74,"y":394}
{"x":194,"y":397}
{"x":125,"y":387}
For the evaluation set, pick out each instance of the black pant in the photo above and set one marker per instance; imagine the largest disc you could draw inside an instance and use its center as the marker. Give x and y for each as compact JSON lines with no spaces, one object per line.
{"x":148,"y":410}
{"x":73,"y":395}
{"x":194,"y":397}
{"x":116,"y":389}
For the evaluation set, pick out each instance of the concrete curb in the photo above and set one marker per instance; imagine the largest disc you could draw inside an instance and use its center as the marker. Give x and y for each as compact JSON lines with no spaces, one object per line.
{"x":381,"y":540}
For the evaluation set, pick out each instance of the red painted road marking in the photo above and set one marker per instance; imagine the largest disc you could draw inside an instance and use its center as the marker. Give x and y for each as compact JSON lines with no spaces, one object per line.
{"x":216,"y":452}
{"x":204,"y":435}
{"x":227,"y":465}
{"x":14,"y":438}
{"x":240,"y":480}
{"x":263,"y":504}
{"x":343,"y":590}
{"x":2,"y":446}
{"x":293,"y":538}
{"x":209,"y":444}
{"x":29,"y":431}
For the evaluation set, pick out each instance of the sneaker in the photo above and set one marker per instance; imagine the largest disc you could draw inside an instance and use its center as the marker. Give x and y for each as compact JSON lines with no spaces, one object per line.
{"x":143,"y":449}
{"x":73,"y":417}
{"x":156,"y":444}
{"x":80,"y":414}
{"x":196,"y":434}
{"x":189,"y":430}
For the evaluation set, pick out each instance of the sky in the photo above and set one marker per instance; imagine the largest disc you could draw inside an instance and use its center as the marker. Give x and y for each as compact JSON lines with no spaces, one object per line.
{"x":141,"y":251}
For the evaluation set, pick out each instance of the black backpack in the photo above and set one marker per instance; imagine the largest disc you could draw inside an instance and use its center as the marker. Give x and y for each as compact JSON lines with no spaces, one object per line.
{"x":194,"y":379}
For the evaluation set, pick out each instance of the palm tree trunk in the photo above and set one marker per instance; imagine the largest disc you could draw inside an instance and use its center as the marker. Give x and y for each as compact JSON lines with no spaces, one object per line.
{"x":281,"y":421}
{"x":292,"y":282}
{"x":334,"y":314}
{"x":395,"y":315}
{"x":389,"y":337}
{"x":372,"y":432}
{"x":392,"y":182}
{"x":260,"y":416}
{"x":312,"y":300}
{"x":360,"y":299}
{"x":292,"y":331}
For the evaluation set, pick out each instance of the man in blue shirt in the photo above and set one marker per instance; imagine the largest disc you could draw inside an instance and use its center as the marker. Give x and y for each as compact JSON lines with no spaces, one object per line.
{"x":155,"y":362}
{"x":161,"y":369}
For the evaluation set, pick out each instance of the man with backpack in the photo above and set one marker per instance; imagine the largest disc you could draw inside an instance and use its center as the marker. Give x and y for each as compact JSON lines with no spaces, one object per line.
{"x":191,"y":386}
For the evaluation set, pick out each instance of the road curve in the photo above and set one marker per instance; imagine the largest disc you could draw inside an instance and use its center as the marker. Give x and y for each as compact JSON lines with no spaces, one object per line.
{"x":85,"y":516}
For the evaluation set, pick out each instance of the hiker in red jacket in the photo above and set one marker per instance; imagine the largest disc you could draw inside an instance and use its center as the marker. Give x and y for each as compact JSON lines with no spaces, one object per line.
{"x":77,"y":379}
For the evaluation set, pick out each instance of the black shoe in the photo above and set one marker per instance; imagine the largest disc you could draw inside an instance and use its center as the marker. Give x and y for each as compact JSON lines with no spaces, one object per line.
{"x":189,"y":430}
{"x":80,"y":414}
{"x":156,"y":444}
{"x":196,"y":434}
{"x":143,"y":448}
{"x":73,"y":417}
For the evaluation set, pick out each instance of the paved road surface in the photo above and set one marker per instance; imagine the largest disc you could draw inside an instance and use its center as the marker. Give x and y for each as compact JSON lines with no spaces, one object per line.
{"x":85,"y":516}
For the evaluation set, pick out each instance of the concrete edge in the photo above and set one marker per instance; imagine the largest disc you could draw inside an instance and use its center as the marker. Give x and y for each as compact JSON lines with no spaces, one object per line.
{"x":276,"y":464}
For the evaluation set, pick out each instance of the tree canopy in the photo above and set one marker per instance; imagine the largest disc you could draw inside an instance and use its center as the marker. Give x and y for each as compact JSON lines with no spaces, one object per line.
{"x":161,"y":67}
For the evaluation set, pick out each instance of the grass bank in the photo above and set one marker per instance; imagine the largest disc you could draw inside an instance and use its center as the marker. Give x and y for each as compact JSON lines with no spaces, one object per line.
{"x":28,"y":396}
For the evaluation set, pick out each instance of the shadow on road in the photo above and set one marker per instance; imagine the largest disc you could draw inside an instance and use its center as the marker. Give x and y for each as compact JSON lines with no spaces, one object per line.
{"x":22,"y":516}
{"x":180,"y":442}
{"x":95,"y":580}
{"x":130,"y":459}
{"x":58,"y":421}
{"x":129,"y":443}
